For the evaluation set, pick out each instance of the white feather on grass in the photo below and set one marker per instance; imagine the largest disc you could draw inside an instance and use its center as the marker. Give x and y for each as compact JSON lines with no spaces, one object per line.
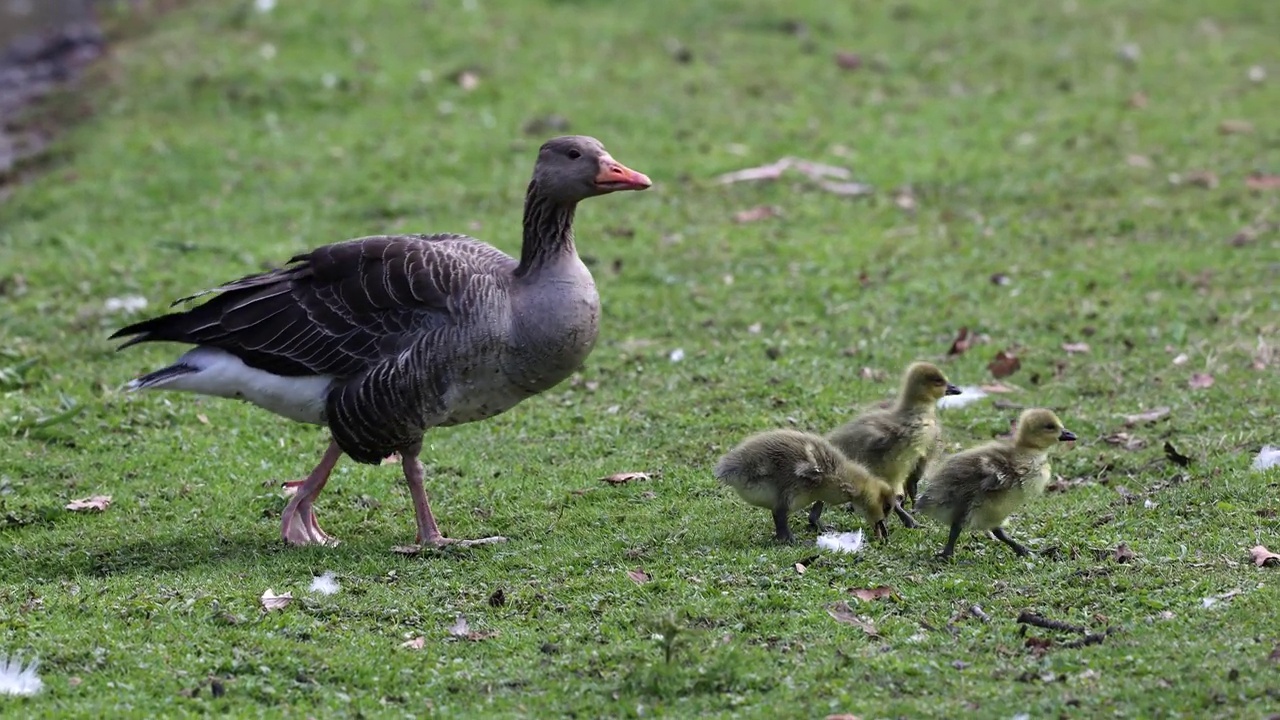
{"x":850,"y":542}
{"x":18,"y":680}
{"x":968,"y":395}
{"x":325,"y":584}
{"x":1268,"y":457}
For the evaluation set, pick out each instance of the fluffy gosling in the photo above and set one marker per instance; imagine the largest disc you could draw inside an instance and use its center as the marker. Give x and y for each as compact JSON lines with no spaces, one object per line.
{"x":896,"y":443}
{"x":786,"y":470}
{"x":980,"y":487}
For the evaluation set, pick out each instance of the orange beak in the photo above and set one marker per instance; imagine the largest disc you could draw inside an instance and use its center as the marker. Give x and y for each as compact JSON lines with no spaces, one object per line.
{"x":615,"y":176}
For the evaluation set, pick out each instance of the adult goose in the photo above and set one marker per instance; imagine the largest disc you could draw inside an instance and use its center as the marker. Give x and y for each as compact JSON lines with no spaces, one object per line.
{"x":380,"y":338}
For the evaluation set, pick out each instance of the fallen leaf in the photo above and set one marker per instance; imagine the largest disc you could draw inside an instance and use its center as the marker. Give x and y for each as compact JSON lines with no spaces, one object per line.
{"x":1074,"y":348}
{"x":848,"y":60}
{"x":1201,"y":178}
{"x":1149,"y":416}
{"x":842,"y":613}
{"x":498,"y":598}
{"x":1138,"y":100}
{"x":904,"y":199}
{"x":1123,"y":554}
{"x":844,"y":716}
{"x":774,"y":170}
{"x":961,"y":344}
{"x":848,"y":189}
{"x":1262,"y":557}
{"x":756,"y":214}
{"x":1174,"y":456}
{"x":1235,"y":127}
{"x":875,"y":593}
{"x":1139,"y":161}
{"x":800,"y":568}
{"x":1181,"y":359}
{"x":415,"y":644}
{"x":408,"y":550}
{"x":1126,"y":441}
{"x":639,"y":576}
{"x":272,"y":601}
{"x":872,"y":374}
{"x":997,"y":388}
{"x":204,"y":419}
{"x":1258,"y":181}
{"x":97,"y":503}
{"x":1004,"y":364}
{"x":622,"y":478}
{"x":1200,"y":381}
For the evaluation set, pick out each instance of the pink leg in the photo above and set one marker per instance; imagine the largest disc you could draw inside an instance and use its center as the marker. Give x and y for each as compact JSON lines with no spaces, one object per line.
{"x":298,"y":524}
{"x":428,"y":531}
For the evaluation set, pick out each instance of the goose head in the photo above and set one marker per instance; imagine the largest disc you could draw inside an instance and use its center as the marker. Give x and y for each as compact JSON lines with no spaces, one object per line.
{"x":577,"y":167}
{"x":1040,"y":429}
{"x":924,"y":383}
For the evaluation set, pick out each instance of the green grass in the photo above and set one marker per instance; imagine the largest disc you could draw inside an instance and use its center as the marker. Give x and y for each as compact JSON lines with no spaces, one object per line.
{"x":1011,"y":122}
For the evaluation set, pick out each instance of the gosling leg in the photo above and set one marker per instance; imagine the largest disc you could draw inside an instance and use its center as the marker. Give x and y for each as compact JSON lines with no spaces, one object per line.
{"x":1018,"y":548}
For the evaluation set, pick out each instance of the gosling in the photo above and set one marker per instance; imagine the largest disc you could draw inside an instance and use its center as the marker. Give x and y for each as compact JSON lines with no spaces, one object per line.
{"x":895,"y":444}
{"x":786,"y":470}
{"x":980,"y":487}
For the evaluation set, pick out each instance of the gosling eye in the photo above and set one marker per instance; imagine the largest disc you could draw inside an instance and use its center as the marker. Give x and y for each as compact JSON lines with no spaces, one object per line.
{"x":1051,"y":426}
{"x":939,"y":381}
{"x":574,"y":154}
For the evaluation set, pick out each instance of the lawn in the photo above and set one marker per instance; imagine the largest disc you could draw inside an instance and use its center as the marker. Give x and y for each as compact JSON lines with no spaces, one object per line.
{"x":1045,"y":174}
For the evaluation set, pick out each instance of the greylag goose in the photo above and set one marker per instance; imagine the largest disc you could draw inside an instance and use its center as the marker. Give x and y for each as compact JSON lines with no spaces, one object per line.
{"x":895,"y":442}
{"x":980,"y":487}
{"x":785,"y":470}
{"x":380,"y":338}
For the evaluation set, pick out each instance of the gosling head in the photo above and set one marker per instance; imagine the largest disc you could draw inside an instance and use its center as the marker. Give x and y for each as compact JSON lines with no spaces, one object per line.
{"x":1040,"y":429}
{"x":924,"y":383}
{"x":576,"y":167}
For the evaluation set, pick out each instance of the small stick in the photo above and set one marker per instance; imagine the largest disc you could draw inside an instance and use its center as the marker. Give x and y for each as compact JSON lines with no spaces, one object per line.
{"x":977,"y":611}
{"x":1029,"y":618}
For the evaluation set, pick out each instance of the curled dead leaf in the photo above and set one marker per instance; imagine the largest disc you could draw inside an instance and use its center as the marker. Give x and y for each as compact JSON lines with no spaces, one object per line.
{"x":1123,"y":554}
{"x":272,"y":601}
{"x":842,"y":613}
{"x":1262,"y":557}
{"x":1258,"y":181}
{"x":1200,"y":381}
{"x":875,"y":593}
{"x":622,"y":478}
{"x":639,"y":576}
{"x":756,"y":214}
{"x":1150,"y":416}
{"x":961,"y":344}
{"x":97,"y":503}
{"x":800,"y":568}
{"x":415,"y":644}
{"x":1005,"y":364}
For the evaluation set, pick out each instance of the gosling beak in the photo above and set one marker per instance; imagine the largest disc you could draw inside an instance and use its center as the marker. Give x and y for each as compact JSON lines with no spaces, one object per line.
{"x":1067,"y":436}
{"x":953,"y":390}
{"x":614,"y":176}
{"x":882,"y":531}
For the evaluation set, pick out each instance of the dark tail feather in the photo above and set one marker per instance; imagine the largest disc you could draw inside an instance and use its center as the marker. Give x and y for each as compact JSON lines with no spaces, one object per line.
{"x":160,"y":376}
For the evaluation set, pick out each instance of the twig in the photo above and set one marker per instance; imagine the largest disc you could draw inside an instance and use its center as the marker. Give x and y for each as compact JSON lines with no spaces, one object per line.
{"x":1029,"y":618}
{"x":977,"y":611}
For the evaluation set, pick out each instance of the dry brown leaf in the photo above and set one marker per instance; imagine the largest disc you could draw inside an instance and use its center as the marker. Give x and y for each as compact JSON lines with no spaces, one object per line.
{"x":997,"y":387}
{"x":1200,"y":381}
{"x":961,"y":344}
{"x":1005,"y":364}
{"x":774,"y":170}
{"x":1073,"y":348}
{"x":1149,"y":416}
{"x":1235,"y":127}
{"x":842,"y":613}
{"x":1262,"y":557}
{"x":875,"y":593}
{"x":272,"y":601}
{"x":1138,"y":100}
{"x":639,"y":576}
{"x":1126,"y":441}
{"x":1123,"y":554}
{"x":622,"y":478}
{"x":97,"y":503}
{"x":848,"y":60}
{"x":415,"y":644}
{"x":408,"y":550}
{"x":1258,"y":181}
{"x":756,"y":214}
{"x":204,"y":419}
{"x":800,"y":568}
{"x":843,"y":716}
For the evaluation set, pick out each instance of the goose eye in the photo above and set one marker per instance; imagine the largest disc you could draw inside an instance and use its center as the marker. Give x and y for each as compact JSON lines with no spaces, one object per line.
{"x":1051,"y":426}
{"x":574,"y":154}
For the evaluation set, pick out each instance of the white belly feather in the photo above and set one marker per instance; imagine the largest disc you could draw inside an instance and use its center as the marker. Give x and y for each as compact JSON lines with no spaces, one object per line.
{"x":221,"y":374}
